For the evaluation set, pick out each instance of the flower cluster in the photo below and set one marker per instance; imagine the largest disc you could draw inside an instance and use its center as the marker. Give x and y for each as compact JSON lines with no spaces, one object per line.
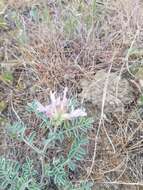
{"x":58,"y":109}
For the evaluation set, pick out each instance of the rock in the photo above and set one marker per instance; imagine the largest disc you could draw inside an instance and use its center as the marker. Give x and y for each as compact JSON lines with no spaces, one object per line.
{"x":118,"y":93}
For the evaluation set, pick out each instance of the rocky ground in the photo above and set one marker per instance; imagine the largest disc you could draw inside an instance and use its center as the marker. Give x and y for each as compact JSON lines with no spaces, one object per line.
{"x":95,"y":49}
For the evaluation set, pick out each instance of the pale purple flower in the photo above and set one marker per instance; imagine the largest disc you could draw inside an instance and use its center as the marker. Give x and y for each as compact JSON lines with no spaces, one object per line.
{"x":59,"y":108}
{"x":75,"y":113}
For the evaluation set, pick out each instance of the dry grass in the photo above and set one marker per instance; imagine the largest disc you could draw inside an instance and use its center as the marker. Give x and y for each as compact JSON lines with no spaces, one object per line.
{"x":59,"y":52}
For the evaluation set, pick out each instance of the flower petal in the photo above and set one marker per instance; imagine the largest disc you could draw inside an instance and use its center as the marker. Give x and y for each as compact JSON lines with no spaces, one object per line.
{"x":40,"y":107}
{"x":78,"y":113}
{"x":52,"y":97}
{"x":64,"y":100}
{"x":65,"y":94}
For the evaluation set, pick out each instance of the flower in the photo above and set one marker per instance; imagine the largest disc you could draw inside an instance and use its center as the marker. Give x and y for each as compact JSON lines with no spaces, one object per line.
{"x":75,"y":113}
{"x":58,"y":109}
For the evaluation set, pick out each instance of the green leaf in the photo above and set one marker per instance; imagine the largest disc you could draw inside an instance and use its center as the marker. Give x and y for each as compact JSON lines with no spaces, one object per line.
{"x":8,"y":172}
{"x":7,"y":77}
{"x":2,"y":5}
{"x":72,"y":166}
{"x":34,"y":14}
{"x":3,"y":105}
{"x":27,"y":168}
{"x":141,"y":99}
{"x":4,"y":184}
{"x":86,"y":186}
{"x":23,"y":37}
{"x":32,"y":107}
{"x":94,"y":7}
{"x":16,"y":129}
{"x":46,"y":15}
{"x":31,"y":137}
{"x":3,"y":24}
{"x":13,"y":177}
{"x":70,"y":25}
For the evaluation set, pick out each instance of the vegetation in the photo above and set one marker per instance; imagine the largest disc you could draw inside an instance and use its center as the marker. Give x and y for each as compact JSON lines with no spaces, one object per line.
{"x":52,"y":46}
{"x":59,"y":129}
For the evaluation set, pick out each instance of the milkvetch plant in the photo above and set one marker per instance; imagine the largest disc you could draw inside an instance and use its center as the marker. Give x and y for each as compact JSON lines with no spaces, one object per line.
{"x":65,"y":127}
{"x":59,"y":109}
